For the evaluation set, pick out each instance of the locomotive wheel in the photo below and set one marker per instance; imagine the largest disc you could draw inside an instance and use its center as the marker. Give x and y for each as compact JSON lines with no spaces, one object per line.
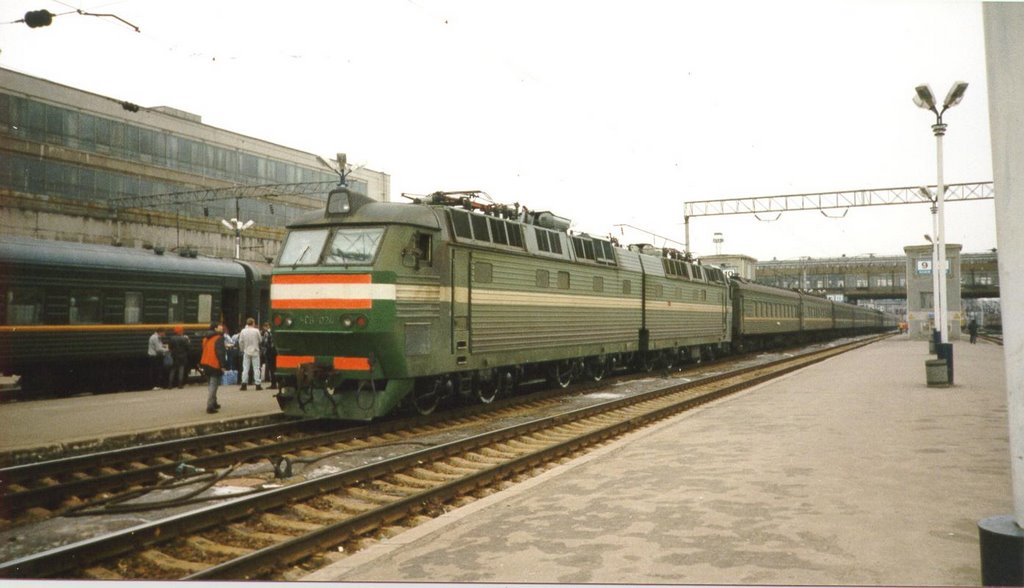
{"x":648,"y":360}
{"x":505,"y":379}
{"x":562,"y":372}
{"x":596,"y":368}
{"x":485,"y":389}
{"x":668,"y":359}
{"x":426,"y":395}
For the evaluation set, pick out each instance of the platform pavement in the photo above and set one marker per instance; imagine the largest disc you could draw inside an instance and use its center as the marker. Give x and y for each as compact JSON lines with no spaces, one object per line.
{"x":851,"y":471}
{"x":83,"y":419}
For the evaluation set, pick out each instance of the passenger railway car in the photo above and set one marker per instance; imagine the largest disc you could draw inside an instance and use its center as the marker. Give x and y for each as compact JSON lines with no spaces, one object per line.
{"x":376,"y":305}
{"x":78,"y":316}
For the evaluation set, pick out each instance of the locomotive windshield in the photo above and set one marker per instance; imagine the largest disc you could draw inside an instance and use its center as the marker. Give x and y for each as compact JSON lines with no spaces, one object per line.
{"x":354,"y":246}
{"x":348,"y":246}
{"x":303,"y":247}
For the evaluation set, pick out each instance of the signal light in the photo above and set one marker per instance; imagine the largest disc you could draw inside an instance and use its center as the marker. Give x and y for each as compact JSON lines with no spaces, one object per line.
{"x":278,"y":320}
{"x":359,"y":321}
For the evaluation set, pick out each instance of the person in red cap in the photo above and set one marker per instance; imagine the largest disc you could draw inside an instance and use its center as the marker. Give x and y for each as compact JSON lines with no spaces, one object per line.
{"x":178,"y":345}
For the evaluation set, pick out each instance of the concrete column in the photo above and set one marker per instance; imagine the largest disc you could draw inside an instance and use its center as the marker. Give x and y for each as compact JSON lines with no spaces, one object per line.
{"x":1002,"y":538}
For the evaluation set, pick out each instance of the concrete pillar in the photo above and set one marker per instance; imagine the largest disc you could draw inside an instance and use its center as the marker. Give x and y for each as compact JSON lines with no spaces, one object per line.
{"x":1002,"y":545}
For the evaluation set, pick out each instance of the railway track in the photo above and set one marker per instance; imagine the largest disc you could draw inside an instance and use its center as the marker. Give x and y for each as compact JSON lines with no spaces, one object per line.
{"x":997,"y":339}
{"x":35,"y":491}
{"x":257,"y":534}
{"x":39,"y":490}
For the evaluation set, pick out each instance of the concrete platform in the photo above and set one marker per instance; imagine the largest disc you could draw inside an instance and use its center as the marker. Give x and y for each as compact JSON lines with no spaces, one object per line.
{"x":851,"y":471}
{"x":66,"y":422}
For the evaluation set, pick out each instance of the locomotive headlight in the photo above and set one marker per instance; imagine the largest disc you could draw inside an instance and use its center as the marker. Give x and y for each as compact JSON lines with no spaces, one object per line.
{"x":346,"y":321}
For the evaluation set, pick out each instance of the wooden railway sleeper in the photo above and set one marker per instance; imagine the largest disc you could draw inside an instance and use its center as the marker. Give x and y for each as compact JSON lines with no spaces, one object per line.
{"x":286,"y":524}
{"x":308,"y":512}
{"x":411,"y":481}
{"x":371,"y":495}
{"x":393,"y":489}
{"x":446,"y":467}
{"x":212,"y":547}
{"x":349,"y":504}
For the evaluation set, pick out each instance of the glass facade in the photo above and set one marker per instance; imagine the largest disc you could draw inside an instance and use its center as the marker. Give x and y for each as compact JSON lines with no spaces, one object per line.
{"x":32,"y":120}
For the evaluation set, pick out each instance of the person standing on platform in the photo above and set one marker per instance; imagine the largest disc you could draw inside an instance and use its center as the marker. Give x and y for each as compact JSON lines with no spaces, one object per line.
{"x":249,"y":345}
{"x":212,"y":363}
{"x":268,"y":354}
{"x":156,"y":352}
{"x":972,"y":328}
{"x":178,"y":345}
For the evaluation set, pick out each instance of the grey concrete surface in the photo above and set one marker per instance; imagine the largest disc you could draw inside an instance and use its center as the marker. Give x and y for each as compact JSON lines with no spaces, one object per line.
{"x":851,"y":471}
{"x":42,"y":423}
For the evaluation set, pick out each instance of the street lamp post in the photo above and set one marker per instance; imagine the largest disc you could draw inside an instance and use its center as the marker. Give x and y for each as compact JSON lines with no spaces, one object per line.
{"x":926,"y":100}
{"x":237,"y":226}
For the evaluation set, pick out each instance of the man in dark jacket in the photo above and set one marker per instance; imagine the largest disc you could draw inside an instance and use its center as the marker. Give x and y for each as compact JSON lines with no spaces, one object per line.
{"x":178,"y":345}
{"x":212,"y":363}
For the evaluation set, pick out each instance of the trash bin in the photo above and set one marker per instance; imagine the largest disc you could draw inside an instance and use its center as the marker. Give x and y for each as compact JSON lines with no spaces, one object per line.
{"x":937,"y":374}
{"x":945,"y":351}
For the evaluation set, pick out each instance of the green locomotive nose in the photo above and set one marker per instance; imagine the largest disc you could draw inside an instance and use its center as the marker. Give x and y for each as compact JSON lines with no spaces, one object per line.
{"x":335,"y":331}
{"x":340,"y":322}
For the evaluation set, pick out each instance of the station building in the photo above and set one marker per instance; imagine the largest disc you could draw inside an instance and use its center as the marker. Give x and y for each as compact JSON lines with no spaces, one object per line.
{"x":79,"y":166}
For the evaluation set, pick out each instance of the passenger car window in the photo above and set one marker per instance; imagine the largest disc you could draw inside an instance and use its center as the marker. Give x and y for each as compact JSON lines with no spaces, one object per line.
{"x":132,"y":308}
{"x":24,"y":306}
{"x":354,"y":246}
{"x":84,"y":307}
{"x":302,"y":247}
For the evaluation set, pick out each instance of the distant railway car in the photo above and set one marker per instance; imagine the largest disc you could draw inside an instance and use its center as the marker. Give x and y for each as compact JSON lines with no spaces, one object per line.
{"x":843,"y":317}
{"x":78,"y":316}
{"x":764,"y":315}
{"x":816,"y":314}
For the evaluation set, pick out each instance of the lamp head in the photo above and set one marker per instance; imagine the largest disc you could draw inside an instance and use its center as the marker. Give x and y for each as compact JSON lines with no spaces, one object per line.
{"x":227,"y":224}
{"x":924,"y":99}
{"x":956,"y":94}
{"x":247,"y":224}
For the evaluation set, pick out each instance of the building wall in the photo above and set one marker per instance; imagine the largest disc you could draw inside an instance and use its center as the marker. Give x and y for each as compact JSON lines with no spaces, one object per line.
{"x":67,"y":157}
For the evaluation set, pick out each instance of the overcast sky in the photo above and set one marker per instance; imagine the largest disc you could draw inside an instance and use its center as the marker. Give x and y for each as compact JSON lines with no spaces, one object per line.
{"x":603,"y":112}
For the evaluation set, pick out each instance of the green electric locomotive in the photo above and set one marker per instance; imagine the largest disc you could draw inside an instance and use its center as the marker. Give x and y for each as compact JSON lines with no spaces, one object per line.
{"x":377,"y":305}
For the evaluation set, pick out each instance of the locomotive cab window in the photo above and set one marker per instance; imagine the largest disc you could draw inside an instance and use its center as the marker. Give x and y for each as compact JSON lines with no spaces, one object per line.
{"x":303,"y":247}
{"x":354,"y":246}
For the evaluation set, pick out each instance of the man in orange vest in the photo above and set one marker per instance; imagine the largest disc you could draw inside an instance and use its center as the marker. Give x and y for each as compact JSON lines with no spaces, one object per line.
{"x":212,"y":363}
